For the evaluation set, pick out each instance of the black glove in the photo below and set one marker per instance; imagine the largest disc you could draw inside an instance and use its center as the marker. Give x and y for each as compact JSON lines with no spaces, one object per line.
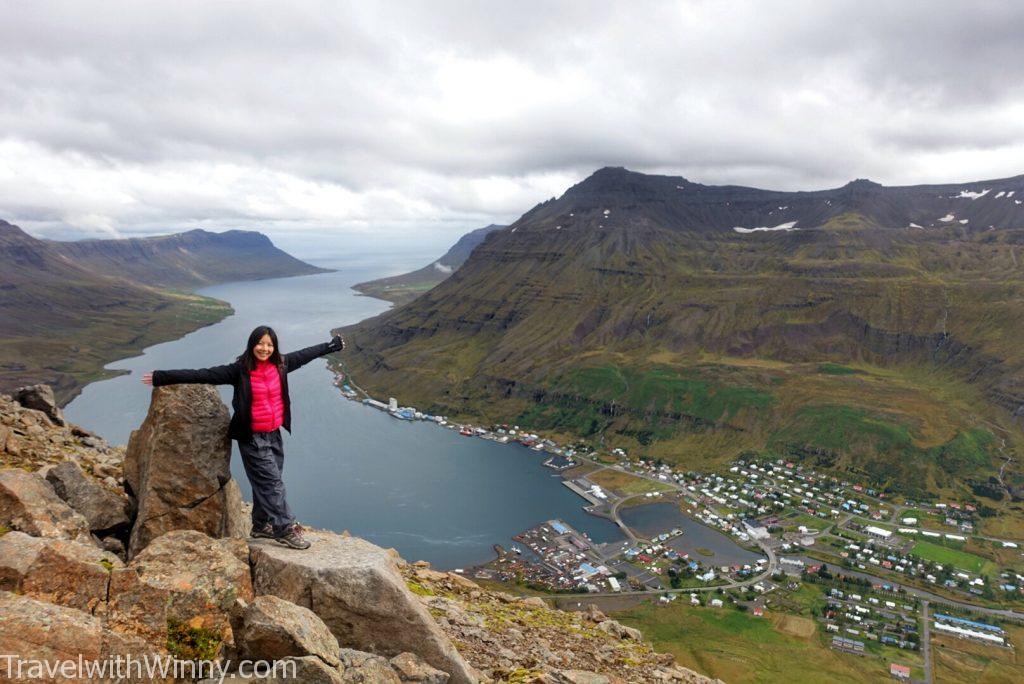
{"x":337,"y":344}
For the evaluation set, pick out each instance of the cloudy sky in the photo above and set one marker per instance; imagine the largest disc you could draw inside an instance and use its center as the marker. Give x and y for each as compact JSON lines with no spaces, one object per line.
{"x":399,"y":123}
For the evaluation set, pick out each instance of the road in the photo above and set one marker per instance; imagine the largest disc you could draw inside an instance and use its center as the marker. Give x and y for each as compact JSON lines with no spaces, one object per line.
{"x":926,"y":643}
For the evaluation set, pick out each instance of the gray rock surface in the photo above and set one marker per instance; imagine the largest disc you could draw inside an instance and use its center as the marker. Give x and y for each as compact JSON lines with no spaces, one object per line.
{"x":357,"y":590}
{"x":40,"y":398}
{"x":29,"y":504}
{"x":275,"y":629}
{"x":178,"y":467}
{"x":101,"y":507}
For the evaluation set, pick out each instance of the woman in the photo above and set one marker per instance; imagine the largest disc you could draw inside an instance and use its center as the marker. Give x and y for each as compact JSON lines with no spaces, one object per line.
{"x":261,"y":407}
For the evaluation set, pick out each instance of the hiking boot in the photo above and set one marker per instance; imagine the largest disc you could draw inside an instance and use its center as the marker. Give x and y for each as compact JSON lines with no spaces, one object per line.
{"x":293,"y":538}
{"x":265,"y":532}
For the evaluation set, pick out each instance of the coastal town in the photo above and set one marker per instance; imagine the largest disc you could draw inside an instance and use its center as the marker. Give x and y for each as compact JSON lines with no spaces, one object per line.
{"x":892,"y":574}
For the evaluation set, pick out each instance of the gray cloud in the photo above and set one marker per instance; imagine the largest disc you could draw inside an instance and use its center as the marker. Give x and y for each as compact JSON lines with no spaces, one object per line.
{"x":397,"y":118}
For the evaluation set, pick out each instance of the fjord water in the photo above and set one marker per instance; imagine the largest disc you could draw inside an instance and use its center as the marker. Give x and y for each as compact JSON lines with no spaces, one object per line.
{"x":424,"y":490}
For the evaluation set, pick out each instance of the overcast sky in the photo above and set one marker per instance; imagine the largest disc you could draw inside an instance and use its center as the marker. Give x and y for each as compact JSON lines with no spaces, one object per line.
{"x":400,"y":123}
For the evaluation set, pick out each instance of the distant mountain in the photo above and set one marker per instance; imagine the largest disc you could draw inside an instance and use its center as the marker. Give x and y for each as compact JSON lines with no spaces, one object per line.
{"x":187,"y":260}
{"x":871,"y":329}
{"x":406,"y":287}
{"x":69,"y":308}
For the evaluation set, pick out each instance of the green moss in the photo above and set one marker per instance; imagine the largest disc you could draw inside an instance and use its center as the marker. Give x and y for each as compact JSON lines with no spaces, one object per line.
{"x":192,"y":643}
{"x":419,"y":589}
{"x":835,"y":369}
{"x":4,"y":530}
{"x":106,"y":563}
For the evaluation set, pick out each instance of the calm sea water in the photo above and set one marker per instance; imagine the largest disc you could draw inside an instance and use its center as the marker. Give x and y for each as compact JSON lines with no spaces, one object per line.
{"x":653,"y":519}
{"x":426,"y":491}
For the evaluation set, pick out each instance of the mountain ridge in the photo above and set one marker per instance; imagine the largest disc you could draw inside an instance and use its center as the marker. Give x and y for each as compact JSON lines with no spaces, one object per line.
{"x":625,"y":312}
{"x":67,"y":309}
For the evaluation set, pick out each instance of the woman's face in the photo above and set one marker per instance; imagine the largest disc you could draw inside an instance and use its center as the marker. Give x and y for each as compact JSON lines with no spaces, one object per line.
{"x":264,"y":348}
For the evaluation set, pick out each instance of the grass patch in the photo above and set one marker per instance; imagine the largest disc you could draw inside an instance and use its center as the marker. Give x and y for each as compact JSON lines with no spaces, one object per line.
{"x":186,"y":642}
{"x":625,"y":483}
{"x":4,"y":530}
{"x":737,"y":647}
{"x":836,"y":369}
{"x":949,"y":556}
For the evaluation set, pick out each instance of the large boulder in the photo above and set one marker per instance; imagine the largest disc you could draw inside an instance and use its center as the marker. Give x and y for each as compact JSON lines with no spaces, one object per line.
{"x":275,"y":629}
{"x":357,"y":590}
{"x":178,"y":467}
{"x":57,"y":571}
{"x":37,"y":631}
{"x":184,"y":581}
{"x":101,"y":507}
{"x":40,"y":398}
{"x":29,"y":504}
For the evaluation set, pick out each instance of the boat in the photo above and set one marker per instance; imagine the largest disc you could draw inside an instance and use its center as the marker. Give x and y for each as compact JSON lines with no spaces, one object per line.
{"x":466,"y":432}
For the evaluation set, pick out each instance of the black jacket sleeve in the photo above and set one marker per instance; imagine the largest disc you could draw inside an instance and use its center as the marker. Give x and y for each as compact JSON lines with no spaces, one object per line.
{"x":298,"y":359}
{"x":218,"y":375}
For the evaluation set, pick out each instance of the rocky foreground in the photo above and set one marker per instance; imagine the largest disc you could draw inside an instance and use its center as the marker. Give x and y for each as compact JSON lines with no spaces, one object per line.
{"x":108,"y":553}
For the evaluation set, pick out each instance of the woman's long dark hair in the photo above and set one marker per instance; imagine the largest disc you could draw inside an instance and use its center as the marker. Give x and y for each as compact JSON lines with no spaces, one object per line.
{"x":249,"y":360}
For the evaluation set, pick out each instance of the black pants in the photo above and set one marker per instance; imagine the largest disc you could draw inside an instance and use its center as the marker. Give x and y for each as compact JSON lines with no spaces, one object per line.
{"x":263,"y":458}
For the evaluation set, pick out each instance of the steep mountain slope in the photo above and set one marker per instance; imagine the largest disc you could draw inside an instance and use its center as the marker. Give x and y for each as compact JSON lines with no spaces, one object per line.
{"x":67,"y":309}
{"x":651,"y":312}
{"x":406,"y":287}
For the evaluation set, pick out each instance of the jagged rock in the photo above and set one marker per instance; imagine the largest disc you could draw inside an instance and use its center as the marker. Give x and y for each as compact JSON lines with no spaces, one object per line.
{"x":357,"y":590}
{"x":275,"y":629}
{"x":40,"y":398}
{"x":18,"y":551}
{"x":102,"y":508}
{"x":57,"y":571}
{"x":360,"y":667}
{"x":411,"y":668}
{"x":178,"y":467}
{"x":183,"y":576}
{"x":29,"y":504}
{"x":37,"y":630}
{"x":614,"y":628}
{"x":594,"y":614}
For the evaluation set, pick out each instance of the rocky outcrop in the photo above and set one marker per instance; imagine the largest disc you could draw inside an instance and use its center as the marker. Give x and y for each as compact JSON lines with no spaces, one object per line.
{"x":40,"y":398}
{"x":102,"y":508}
{"x":29,"y":504}
{"x":183,"y":579}
{"x":30,"y":440}
{"x":57,"y":571}
{"x":178,"y":467}
{"x":275,"y":629}
{"x":504,"y":636}
{"x":357,"y":590}
{"x":343,"y":612}
{"x":37,"y":630}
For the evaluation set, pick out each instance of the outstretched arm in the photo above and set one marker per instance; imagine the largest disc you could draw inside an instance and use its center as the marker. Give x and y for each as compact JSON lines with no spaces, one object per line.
{"x":298,"y":359}
{"x":218,"y":375}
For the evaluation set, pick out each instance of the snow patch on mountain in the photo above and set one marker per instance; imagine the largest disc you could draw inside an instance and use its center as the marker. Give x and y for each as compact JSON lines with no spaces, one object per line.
{"x":782,"y":226}
{"x":967,"y":194}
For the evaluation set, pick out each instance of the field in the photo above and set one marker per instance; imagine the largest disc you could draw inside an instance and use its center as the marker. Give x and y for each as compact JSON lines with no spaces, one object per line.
{"x":965,"y":662}
{"x":737,"y":647}
{"x":624,"y":483}
{"x":951,"y":556}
